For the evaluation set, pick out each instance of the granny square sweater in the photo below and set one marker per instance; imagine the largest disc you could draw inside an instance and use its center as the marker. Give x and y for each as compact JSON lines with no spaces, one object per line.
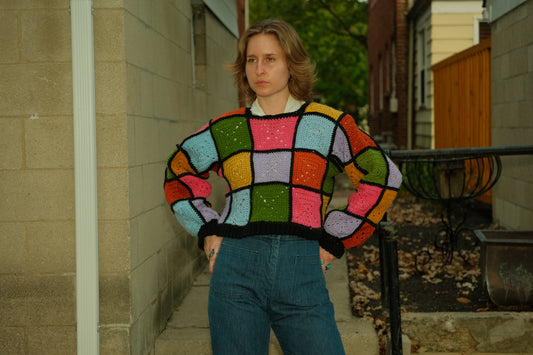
{"x":280,"y":172}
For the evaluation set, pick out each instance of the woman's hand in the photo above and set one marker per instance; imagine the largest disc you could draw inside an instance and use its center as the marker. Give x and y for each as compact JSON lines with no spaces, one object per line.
{"x":211,"y":247}
{"x":327,"y":258}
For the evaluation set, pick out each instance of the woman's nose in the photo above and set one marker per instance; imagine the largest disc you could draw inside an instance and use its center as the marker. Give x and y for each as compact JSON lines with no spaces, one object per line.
{"x":260,"y":67}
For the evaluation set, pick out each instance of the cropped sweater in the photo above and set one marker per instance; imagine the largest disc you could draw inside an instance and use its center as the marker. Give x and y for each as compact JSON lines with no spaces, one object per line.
{"x":280,"y":172}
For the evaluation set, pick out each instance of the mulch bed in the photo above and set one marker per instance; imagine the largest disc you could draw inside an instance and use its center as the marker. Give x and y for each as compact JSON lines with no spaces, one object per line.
{"x":427,"y":283}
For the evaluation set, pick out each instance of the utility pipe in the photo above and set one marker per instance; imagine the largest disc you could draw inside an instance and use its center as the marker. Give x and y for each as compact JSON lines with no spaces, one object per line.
{"x":87,"y":300}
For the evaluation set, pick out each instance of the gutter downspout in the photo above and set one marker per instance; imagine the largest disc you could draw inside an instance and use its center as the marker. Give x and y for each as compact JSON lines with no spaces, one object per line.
{"x":85,"y":177}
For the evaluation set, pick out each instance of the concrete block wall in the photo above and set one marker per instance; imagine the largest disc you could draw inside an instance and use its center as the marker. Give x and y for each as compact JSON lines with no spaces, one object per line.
{"x":146,"y":102}
{"x":37,"y":242}
{"x":512,"y":112}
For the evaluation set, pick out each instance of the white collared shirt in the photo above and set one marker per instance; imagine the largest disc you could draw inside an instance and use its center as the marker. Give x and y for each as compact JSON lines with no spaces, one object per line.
{"x":291,"y":106}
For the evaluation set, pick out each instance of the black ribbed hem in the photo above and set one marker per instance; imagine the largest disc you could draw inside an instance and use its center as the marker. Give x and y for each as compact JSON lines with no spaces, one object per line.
{"x":326,"y":241}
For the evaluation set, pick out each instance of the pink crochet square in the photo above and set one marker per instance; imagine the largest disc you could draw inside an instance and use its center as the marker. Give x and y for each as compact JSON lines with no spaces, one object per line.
{"x":306,"y":206}
{"x":271,"y":134}
{"x":364,"y":199}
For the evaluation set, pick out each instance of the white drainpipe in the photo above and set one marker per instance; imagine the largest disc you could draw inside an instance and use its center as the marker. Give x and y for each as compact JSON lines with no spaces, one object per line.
{"x":87,"y":300}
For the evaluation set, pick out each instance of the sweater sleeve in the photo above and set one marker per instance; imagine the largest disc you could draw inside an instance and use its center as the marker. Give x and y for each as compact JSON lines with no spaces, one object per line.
{"x":186,"y":185}
{"x":375,"y":178}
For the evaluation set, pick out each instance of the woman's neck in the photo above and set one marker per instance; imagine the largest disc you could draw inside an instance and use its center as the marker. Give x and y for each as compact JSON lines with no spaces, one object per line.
{"x":273,"y":105}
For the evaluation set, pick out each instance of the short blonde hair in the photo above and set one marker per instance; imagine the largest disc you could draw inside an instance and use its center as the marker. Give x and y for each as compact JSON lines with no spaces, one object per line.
{"x":301,"y":69}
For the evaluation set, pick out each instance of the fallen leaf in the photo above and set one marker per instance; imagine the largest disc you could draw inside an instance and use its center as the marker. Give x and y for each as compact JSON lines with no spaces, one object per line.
{"x":463,"y":300}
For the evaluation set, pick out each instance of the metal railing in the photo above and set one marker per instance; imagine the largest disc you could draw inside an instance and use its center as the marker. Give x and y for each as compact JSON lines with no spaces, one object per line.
{"x":447,"y":175}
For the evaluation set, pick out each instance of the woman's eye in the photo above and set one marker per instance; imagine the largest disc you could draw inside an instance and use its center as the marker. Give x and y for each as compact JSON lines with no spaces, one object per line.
{"x":250,"y":60}
{"x":270,"y":59}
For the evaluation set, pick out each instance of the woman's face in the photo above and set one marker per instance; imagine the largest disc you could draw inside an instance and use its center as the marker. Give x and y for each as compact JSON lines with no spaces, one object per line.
{"x":266,"y":68}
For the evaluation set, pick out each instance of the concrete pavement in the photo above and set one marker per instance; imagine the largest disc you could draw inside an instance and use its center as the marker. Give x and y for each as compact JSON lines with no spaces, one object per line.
{"x":187,"y":331}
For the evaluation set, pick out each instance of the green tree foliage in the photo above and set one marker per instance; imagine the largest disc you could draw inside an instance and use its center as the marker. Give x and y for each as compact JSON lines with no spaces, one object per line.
{"x":334,"y":34}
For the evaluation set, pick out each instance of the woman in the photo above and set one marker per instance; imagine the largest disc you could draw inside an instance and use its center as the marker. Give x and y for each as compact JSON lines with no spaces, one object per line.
{"x":269,"y":249}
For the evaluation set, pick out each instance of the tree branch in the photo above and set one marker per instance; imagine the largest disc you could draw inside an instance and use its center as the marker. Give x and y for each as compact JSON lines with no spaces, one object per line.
{"x":359,"y":38}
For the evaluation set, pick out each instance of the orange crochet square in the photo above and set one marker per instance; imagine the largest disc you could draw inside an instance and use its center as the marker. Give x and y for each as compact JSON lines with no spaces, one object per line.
{"x":308,"y":170}
{"x":180,"y":164}
{"x":354,"y":174}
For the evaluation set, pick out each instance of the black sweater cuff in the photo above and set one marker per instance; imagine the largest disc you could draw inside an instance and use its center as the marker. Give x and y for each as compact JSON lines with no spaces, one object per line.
{"x":332,"y":244}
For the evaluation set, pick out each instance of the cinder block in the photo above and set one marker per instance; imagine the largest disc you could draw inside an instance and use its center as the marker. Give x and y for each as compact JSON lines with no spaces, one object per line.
{"x":45,"y":89}
{"x":51,"y":247}
{"x":115,"y":299}
{"x":112,"y":141}
{"x":33,"y":4}
{"x":108,"y":4}
{"x":30,"y":195}
{"x":9,"y":37}
{"x":12,"y":248}
{"x":138,"y":40}
{"x":12,"y":340}
{"x":166,"y":58}
{"x":46,"y":35}
{"x":113,"y":246}
{"x":113,"y":196}
{"x":153,"y":232}
{"x":115,"y":339}
{"x":52,"y":340}
{"x":144,"y":288}
{"x":49,"y":142}
{"x":37,"y":300}
{"x":11,"y":144}
{"x":145,"y":136}
{"x":110,"y":88}
{"x":165,"y":93}
{"x":108,"y":33}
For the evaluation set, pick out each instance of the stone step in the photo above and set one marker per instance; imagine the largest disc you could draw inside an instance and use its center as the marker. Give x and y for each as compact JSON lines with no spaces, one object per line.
{"x":187,"y":331}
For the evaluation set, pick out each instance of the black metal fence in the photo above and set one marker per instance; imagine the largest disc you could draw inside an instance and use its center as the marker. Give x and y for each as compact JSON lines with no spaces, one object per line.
{"x":447,"y":175}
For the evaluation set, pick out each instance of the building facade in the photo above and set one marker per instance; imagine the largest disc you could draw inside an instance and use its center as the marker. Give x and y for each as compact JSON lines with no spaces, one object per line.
{"x":159,"y":76}
{"x":512,"y":108}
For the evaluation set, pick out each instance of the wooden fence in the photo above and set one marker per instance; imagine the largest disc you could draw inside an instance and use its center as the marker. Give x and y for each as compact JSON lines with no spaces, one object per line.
{"x":462,"y":100}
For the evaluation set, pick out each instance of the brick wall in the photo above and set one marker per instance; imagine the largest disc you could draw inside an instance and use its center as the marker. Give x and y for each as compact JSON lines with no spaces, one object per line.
{"x":388,"y":38}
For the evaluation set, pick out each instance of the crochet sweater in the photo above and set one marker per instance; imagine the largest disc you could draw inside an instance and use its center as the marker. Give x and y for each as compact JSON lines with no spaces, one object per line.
{"x":280,"y":172}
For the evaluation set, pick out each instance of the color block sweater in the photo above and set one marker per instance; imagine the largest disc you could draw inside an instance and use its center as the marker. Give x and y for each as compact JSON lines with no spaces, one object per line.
{"x":280,"y":172}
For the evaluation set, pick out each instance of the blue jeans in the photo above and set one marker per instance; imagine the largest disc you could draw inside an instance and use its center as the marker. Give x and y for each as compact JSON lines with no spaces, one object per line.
{"x":271,"y":281}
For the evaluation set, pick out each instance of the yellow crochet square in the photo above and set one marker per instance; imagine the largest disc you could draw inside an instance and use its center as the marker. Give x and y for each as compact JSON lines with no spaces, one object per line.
{"x":326,"y":110}
{"x":377,"y":214}
{"x":238,"y":170}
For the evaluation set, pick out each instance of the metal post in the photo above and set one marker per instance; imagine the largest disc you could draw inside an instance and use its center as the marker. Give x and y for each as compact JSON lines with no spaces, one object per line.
{"x":391,"y":284}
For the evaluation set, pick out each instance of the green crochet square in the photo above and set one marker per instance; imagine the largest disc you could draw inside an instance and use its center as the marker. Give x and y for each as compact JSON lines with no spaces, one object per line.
{"x":231,"y":135}
{"x":372,"y":160}
{"x":270,"y":203}
{"x":329,"y":181}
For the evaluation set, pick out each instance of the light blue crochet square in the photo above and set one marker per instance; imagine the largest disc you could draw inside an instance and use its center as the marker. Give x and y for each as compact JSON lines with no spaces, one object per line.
{"x":239,"y":213}
{"x":315,"y":133}
{"x":187,"y":216}
{"x":201,"y":150}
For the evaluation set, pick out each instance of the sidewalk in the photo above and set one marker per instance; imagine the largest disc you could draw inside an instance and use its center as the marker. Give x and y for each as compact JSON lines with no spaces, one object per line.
{"x":187,"y":331}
